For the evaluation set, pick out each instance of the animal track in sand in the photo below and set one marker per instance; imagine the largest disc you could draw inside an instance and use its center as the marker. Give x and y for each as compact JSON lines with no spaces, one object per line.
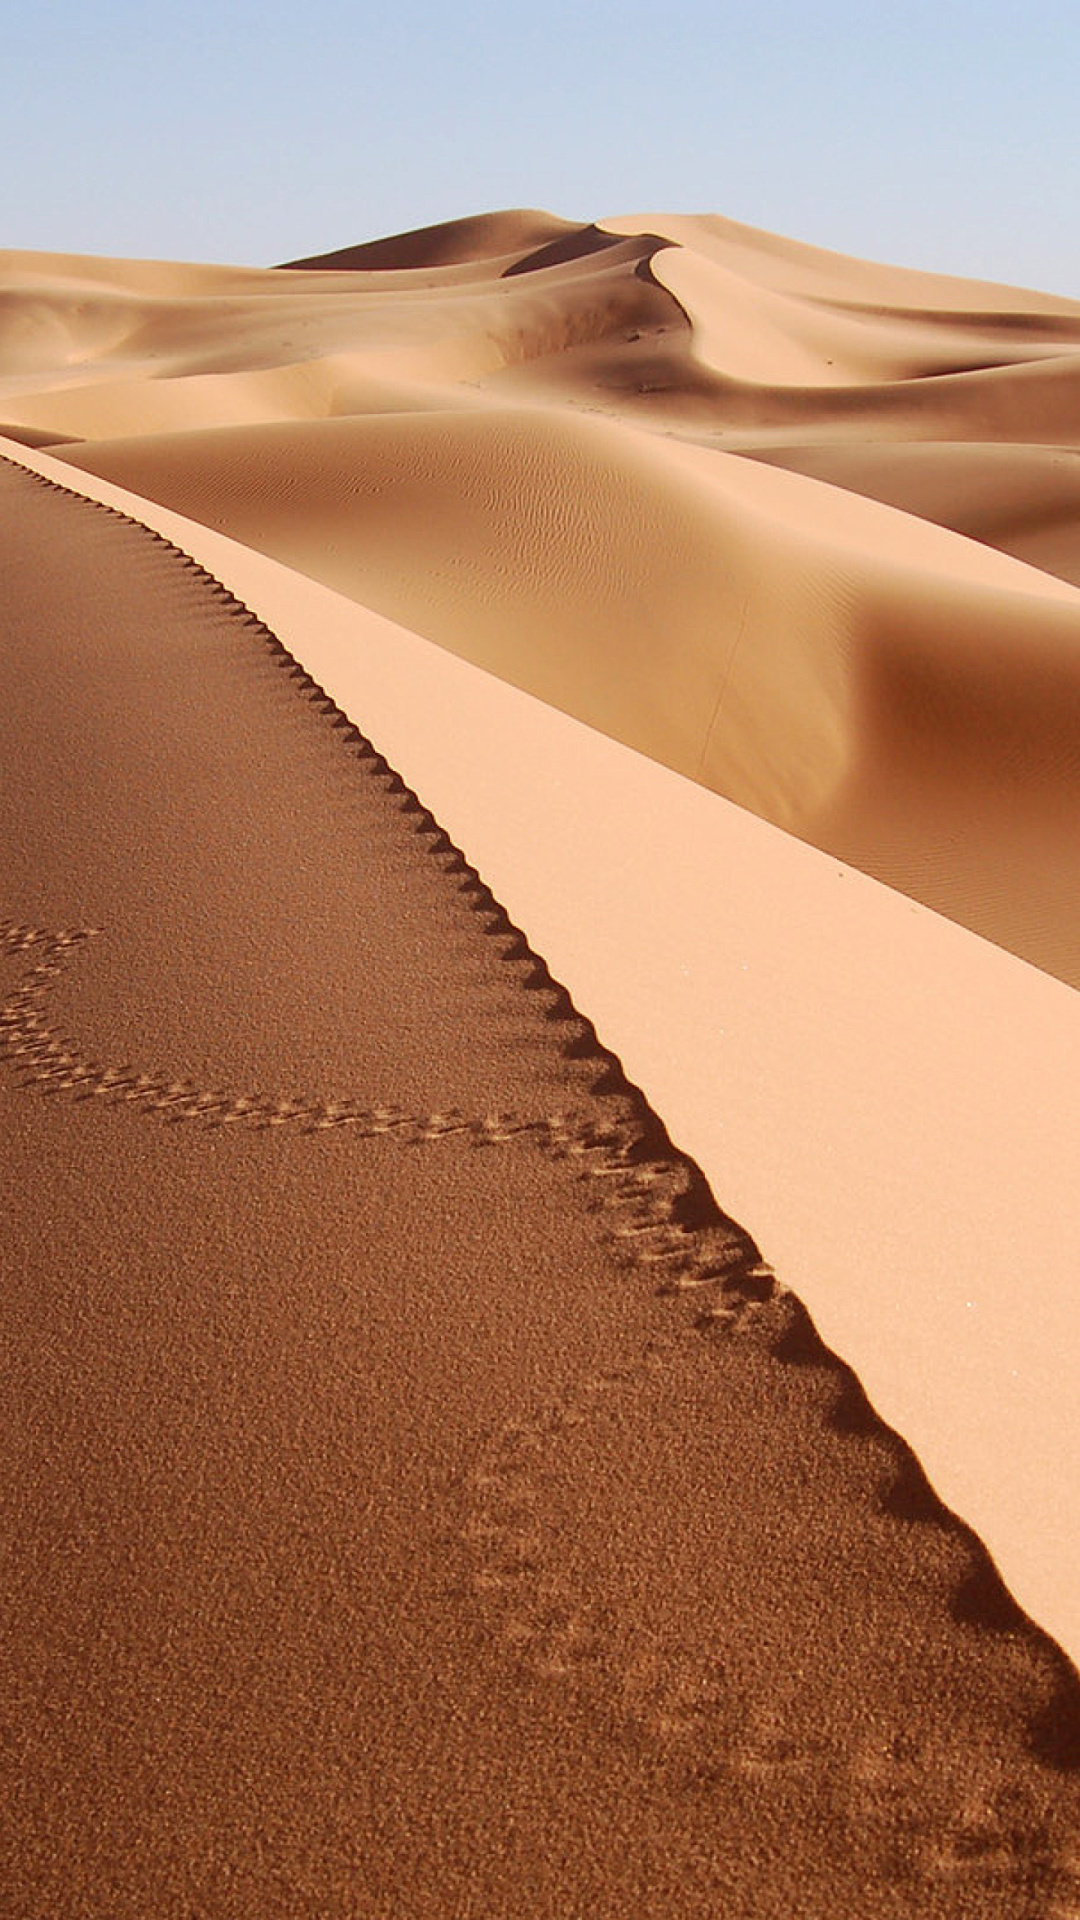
{"x":717,"y":1267}
{"x":675,"y":1701}
{"x":940,"y":1815}
{"x":984,"y":1843}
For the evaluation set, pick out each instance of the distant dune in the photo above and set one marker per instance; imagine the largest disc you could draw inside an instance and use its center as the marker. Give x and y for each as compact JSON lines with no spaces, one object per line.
{"x":567,"y":413}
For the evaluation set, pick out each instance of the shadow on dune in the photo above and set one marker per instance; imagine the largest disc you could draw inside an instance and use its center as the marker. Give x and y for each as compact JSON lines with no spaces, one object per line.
{"x":981,"y":1599}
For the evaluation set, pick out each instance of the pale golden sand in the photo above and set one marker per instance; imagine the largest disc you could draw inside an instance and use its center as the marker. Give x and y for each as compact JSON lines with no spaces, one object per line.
{"x":560,"y":409}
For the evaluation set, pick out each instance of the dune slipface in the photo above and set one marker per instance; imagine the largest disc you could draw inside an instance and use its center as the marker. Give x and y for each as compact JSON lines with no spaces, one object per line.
{"x":875,"y":650}
{"x":421,"y":1498}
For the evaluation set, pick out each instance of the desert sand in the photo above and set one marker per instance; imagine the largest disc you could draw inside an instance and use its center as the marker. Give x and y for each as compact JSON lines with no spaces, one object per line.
{"x":561,"y":409}
{"x":426,"y":1497}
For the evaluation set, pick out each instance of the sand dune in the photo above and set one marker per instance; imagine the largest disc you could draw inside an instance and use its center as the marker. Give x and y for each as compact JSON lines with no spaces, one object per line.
{"x":486,"y":239}
{"x":373,"y":1485}
{"x":423,"y":1493}
{"x":819,"y":1042}
{"x":560,"y":408}
{"x":900,"y":697}
{"x":1023,"y":500}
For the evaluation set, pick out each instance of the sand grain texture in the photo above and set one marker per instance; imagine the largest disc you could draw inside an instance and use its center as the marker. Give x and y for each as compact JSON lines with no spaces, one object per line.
{"x":422,"y":1498}
{"x":354,"y":1573}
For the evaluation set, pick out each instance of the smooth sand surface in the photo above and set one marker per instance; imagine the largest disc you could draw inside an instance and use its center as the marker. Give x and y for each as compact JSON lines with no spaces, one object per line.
{"x":567,"y":413}
{"x":1022,"y":500}
{"x":417,"y":1496}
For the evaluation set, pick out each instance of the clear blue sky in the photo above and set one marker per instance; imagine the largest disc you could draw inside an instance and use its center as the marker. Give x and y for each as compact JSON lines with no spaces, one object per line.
{"x":940,"y":134}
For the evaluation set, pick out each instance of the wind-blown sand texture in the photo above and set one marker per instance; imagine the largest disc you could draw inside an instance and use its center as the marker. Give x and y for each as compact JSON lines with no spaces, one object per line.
{"x":561,"y":408}
{"x":449,"y":1513}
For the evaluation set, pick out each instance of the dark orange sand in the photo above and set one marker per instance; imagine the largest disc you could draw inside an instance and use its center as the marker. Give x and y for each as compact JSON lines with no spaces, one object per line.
{"x":416,"y":1499}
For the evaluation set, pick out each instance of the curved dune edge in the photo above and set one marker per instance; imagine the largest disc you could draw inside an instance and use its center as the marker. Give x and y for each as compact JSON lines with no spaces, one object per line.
{"x":889,"y":1103}
{"x":877,"y":320}
{"x":1025,"y":501}
{"x":849,"y":672}
{"x":566,"y":411}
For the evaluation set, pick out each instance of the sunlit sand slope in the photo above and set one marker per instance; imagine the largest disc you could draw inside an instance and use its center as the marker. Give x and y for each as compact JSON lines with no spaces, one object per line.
{"x":900,"y":697}
{"x":1022,"y":500}
{"x":516,"y":435}
{"x":852,"y":1071}
{"x":416,"y":1493}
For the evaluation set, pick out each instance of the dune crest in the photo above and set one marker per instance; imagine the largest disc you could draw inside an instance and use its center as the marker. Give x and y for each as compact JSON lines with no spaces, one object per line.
{"x":878,"y":651}
{"x":482,"y":239}
{"x":376,"y":1469}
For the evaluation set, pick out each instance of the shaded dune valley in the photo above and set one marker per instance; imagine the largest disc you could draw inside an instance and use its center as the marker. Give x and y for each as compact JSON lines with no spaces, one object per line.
{"x":425,"y":1494}
{"x":805,"y":529}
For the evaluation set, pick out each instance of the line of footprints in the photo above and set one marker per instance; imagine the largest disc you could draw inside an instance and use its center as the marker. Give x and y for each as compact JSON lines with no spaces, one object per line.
{"x":672,"y":1699}
{"x":717,"y":1267}
{"x":676,"y":1701}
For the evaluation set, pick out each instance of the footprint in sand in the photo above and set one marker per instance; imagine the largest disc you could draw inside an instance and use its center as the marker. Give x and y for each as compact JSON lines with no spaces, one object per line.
{"x":948,"y":1816}
{"x":943,"y":1818}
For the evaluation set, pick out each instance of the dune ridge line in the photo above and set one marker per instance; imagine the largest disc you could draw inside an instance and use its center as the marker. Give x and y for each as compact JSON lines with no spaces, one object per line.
{"x":668,"y":1220}
{"x":667,"y":1690}
{"x":668,"y":1217}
